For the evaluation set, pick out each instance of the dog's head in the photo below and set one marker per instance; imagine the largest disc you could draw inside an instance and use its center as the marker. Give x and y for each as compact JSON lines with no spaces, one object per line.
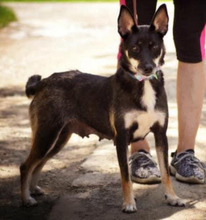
{"x":142,"y":47}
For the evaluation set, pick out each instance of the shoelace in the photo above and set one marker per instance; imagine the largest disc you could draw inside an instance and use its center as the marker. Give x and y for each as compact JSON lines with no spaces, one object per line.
{"x":191,"y":160}
{"x":135,"y":155}
{"x":203,"y":166}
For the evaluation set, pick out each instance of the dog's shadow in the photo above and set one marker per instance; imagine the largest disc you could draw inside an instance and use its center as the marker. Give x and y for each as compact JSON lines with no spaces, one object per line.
{"x":105,"y":202}
{"x":152,"y":205}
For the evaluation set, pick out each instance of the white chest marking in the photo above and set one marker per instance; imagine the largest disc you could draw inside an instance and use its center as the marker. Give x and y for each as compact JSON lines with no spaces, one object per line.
{"x":145,"y":119}
{"x":149,"y":97}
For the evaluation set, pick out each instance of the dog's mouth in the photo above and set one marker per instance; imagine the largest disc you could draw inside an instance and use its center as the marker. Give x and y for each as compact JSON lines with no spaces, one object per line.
{"x":147,"y":74}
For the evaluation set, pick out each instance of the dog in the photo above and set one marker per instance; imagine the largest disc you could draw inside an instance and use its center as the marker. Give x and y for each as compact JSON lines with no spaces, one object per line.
{"x":124,"y":107}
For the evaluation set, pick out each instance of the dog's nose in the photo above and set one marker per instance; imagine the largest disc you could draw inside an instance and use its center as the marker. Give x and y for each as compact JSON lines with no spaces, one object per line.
{"x":148,"y":68}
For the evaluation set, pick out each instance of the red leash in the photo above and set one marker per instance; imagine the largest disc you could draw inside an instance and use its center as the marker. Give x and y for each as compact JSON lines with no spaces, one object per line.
{"x":135,"y":12}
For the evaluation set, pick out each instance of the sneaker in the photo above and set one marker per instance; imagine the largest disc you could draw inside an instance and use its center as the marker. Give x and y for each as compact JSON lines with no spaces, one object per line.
{"x":144,"y":168}
{"x":187,"y":168}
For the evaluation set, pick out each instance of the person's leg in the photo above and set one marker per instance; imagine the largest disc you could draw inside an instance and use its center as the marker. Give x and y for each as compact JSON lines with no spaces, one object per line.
{"x":140,"y":145}
{"x":145,"y":10}
{"x":190,"y":94}
{"x":148,"y":6}
{"x":143,"y":167}
{"x":189,"y":36}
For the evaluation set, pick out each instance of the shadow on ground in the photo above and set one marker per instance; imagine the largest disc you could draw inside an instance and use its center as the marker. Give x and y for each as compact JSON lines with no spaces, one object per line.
{"x":97,"y":202}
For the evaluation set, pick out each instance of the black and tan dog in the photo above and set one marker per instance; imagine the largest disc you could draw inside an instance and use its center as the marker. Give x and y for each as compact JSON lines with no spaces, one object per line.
{"x":124,"y":107}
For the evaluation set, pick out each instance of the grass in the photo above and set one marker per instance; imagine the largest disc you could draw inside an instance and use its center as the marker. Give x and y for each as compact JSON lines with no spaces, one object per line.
{"x":68,"y":0}
{"x":7,"y":15}
{"x":60,"y":1}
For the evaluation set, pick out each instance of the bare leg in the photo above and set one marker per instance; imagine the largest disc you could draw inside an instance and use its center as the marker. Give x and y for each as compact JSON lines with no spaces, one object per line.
{"x":190,"y":94}
{"x":140,"y":145}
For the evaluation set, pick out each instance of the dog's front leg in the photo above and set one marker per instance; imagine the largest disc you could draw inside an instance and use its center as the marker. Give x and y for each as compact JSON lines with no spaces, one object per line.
{"x":162,"y":154}
{"x":129,"y":204}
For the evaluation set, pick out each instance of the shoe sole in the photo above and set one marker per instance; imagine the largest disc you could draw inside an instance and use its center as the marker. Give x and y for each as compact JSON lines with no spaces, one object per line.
{"x":191,"y":179}
{"x":150,"y":180}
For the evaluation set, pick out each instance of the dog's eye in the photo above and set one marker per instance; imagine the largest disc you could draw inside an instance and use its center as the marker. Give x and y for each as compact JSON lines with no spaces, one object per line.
{"x":135,"y":49}
{"x":155,"y":47}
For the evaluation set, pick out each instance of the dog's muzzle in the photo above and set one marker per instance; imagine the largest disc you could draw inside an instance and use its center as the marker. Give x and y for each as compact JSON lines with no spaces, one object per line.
{"x":142,"y":77}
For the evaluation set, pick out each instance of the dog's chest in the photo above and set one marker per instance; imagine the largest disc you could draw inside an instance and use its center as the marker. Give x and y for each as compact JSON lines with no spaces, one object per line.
{"x":140,"y":122}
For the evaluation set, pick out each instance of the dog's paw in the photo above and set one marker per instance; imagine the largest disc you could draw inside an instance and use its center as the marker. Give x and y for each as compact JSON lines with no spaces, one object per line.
{"x":175,"y":200}
{"x":129,"y":207}
{"x":30,"y":202}
{"x":37,"y":191}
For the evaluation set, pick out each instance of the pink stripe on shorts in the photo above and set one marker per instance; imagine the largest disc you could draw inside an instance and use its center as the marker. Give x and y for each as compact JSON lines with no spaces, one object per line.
{"x":122,"y":2}
{"x":202,"y":43}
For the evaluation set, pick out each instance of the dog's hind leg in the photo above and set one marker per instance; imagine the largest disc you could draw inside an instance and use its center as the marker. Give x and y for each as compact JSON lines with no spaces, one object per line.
{"x":63,"y":138}
{"x":162,"y":154}
{"x":43,"y":140}
{"x":129,"y":204}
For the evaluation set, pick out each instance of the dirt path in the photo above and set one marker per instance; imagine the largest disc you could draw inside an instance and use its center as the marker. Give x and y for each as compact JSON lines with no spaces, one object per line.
{"x":80,"y":182}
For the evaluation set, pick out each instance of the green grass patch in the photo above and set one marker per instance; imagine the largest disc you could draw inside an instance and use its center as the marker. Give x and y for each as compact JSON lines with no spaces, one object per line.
{"x":75,"y":1}
{"x":7,"y":15}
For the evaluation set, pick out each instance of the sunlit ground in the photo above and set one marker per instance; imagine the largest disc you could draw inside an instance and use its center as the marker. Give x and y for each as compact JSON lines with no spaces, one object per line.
{"x":49,"y":39}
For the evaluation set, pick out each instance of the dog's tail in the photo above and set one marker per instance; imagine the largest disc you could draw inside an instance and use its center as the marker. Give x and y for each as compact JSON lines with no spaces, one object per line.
{"x":31,"y":85}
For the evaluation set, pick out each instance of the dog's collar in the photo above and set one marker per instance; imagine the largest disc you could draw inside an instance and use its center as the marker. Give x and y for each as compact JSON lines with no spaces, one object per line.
{"x":142,"y":78}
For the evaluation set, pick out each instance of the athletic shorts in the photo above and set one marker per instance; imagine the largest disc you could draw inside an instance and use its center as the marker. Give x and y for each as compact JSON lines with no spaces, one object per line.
{"x":189,"y":26}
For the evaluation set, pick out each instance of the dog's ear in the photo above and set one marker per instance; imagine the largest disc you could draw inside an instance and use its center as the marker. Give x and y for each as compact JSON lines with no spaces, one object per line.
{"x":125,"y":22}
{"x":160,"y":20}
